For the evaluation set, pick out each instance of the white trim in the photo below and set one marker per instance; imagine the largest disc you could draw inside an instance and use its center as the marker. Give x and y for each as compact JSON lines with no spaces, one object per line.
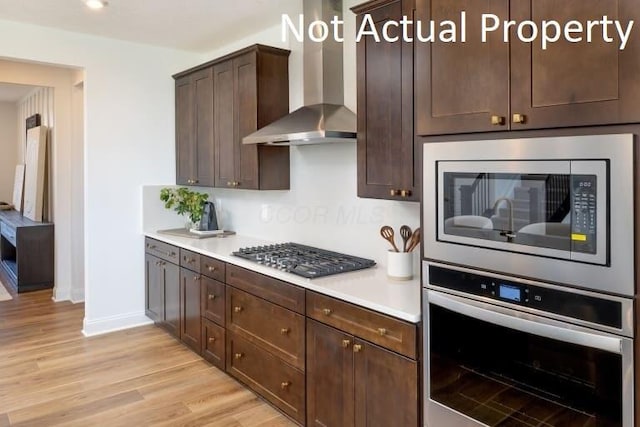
{"x":77,"y":295}
{"x":114,"y":323}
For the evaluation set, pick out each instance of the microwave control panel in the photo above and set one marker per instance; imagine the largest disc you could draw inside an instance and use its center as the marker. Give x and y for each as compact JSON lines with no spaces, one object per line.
{"x":583,"y":213}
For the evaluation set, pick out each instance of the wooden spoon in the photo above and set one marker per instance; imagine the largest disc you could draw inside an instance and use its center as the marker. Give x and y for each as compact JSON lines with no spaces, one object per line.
{"x":387,"y":233}
{"x":405,"y":233}
{"x":415,"y":240}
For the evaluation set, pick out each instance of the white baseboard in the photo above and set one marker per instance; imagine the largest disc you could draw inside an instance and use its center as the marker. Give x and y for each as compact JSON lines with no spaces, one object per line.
{"x":61,"y":295}
{"x":114,"y":323}
{"x":77,"y":295}
{"x":73,"y":295}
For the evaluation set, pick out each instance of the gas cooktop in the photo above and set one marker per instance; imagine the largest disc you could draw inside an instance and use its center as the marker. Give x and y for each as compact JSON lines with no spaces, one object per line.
{"x":305,"y":261}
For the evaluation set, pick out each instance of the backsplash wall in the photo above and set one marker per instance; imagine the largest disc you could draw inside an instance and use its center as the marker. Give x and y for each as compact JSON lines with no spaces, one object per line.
{"x":320,"y":209}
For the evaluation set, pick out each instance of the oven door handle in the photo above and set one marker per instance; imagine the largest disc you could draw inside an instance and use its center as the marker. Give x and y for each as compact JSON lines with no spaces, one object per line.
{"x":525,"y":322}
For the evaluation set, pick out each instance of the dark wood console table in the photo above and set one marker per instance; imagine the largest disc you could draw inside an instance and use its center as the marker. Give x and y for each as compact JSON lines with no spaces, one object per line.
{"x":26,"y":252}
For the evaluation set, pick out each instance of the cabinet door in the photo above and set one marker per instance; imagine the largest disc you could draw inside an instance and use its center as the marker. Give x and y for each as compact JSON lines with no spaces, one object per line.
{"x":213,"y":343}
{"x":203,"y":100}
{"x":212,"y":300}
{"x":575,"y":84}
{"x":329,"y":376}
{"x":268,"y":375}
{"x":171,"y":273}
{"x":190,"y":322}
{"x":386,"y":387}
{"x":270,"y":326}
{"x":461,"y":86}
{"x":185,"y":138}
{"x":223,"y":110}
{"x":386,"y":154}
{"x":245,"y":120}
{"x":154,"y":284}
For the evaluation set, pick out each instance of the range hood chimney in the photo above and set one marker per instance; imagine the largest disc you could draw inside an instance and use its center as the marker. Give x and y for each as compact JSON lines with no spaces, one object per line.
{"x":324,"y":118}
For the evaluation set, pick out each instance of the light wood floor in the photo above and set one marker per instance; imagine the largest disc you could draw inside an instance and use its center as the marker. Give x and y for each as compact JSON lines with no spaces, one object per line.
{"x":50,"y":375}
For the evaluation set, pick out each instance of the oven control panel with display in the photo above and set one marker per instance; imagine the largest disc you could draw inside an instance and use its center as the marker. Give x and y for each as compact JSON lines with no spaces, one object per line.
{"x":563,"y":302}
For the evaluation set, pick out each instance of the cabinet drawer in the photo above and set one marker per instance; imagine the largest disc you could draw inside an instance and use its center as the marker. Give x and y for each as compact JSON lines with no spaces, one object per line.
{"x":162,"y":250}
{"x":276,"y":291}
{"x":213,"y":340}
{"x":281,"y":384}
{"x":8,"y":233}
{"x":212,"y":267}
{"x":378,"y":328}
{"x":274,"y":328}
{"x":212,"y":300}
{"x":190,"y":260}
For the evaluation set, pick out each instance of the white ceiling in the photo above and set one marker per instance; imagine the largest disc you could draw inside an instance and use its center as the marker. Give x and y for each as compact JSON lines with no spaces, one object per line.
{"x":13,"y":93}
{"x":193,"y":25}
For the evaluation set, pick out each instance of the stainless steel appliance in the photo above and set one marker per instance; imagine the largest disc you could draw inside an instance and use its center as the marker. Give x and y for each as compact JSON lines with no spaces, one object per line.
{"x":557,"y":209}
{"x":528,"y":282}
{"x":305,"y":261}
{"x":504,"y":351}
{"x":324,"y":117}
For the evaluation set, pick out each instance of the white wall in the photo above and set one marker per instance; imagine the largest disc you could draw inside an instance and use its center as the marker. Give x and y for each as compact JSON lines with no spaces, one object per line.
{"x":129,"y":140}
{"x":77,"y":185}
{"x":8,"y":148}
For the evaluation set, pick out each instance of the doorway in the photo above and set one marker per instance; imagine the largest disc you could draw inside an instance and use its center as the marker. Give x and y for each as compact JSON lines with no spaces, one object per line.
{"x":57,"y":93}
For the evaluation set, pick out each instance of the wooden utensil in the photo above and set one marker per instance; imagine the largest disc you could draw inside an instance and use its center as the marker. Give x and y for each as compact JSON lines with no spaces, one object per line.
{"x":415,"y":240}
{"x":405,"y":233}
{"x":387,"y":233}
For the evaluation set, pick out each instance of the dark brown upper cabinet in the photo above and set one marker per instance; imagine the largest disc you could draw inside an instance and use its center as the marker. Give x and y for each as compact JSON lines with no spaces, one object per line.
{"x":478,"y":87}
{"x":220,"y":102}
{"x":194,"y":129}
{"x":388,"y":163}
{"x":251,"y":90}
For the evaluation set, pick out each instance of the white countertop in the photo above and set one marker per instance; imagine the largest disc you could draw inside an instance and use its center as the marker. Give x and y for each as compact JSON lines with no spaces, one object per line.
{"x":370,"y":288}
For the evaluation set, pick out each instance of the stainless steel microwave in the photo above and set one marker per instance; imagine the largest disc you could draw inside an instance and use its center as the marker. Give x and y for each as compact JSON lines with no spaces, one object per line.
{"x":558,"y":209}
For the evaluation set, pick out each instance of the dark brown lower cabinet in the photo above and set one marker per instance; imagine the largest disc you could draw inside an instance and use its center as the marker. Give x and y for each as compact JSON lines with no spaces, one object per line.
{"x":212,"y":300}
{"x":274,"y":328}
{"x":386,"y":387}
{"x":329,"y":376}
{"x":154,"y":283}
{"x":162,"y":282}
{"x":190,"y":322}
{"x":172,"y":299}
{"x":213,"y":343}
{"x":351,"y":382}
{"x":319,"y":360}
{"x":276,"y":381}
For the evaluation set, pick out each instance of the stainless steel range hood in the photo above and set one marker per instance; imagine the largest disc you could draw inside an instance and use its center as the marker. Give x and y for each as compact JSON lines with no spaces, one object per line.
{"x":324,"y":118}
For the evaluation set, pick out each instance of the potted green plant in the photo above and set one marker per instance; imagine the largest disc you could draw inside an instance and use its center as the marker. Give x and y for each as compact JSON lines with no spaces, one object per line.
{"x":185,"y":202}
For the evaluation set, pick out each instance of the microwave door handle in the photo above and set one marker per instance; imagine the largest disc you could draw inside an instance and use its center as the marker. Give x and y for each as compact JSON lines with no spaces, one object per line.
{"x":478,"y":311}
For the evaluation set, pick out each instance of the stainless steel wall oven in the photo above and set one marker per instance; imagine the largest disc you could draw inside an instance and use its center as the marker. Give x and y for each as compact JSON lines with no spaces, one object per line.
{"x":502,"y":351}
{"x":528,"y":282}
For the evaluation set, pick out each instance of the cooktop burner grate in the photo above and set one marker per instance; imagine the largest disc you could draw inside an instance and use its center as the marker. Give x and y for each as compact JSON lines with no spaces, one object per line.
{"x":305,"y":261}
